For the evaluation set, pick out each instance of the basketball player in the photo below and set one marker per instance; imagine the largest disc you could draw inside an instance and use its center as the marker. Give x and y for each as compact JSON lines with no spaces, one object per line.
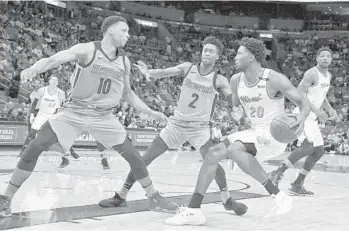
{"x":47,"y":99}
{"x":101,"y":79}
{"x":315,"y":85}
{"x":191,"y":118}
{"x":260,"y":91}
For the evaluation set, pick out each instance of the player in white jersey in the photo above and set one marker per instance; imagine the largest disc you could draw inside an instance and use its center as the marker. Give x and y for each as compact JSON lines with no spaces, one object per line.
{"x":46,"y":101}
{"x":315,"y":85}
{"x":260,"y":91}
{"x":190,"y":122}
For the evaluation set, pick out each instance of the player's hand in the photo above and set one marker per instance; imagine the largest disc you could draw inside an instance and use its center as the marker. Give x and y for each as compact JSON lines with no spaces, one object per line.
{"x":159,"y":117}
{"x":27,"y":74}
{"x":31,"y":119}
{"x":321,"y":116}
{"x":143,"y":68}
{"x":299,"y":122}
{"x":333,"y":115}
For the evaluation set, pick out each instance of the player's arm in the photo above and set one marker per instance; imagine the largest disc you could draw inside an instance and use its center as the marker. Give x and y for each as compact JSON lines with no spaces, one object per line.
{"x":279,"y":82}
{"x":327,"y":106}
{"x":222,"y":84}
{"x":131,"y":97}
{"x":78,"y":52}
{"x":234,"y":82}
{"x":308,"y":80}
{"x":62,"y":97}
{"x":163,"y":73}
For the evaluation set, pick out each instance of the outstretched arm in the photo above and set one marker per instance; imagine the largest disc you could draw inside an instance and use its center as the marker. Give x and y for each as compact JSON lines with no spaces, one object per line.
{"x":162,"y":73}
{"x":78,"y":52}
{"x":234,"y":82}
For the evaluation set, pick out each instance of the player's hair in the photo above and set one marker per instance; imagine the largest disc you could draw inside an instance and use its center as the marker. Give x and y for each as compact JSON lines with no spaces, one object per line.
{"x":53,"y":76}
{"x":256,"y":47}
{"x":324,"y":49}
{"x":111,"y":20}
{"x":214,"y":41}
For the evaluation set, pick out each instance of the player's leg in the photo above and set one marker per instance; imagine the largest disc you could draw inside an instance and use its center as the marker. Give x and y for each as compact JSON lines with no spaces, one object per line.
{"x":39,"y":121}
{"x":311,"y":135}
{"x":30,"y":137}
{"x":201,"y":140}
{"x":315,"y":136}
{"x":58,"y":129}
{"x":26,"y":165}
{"x":104,"y":160}
{"x":111,"y":133}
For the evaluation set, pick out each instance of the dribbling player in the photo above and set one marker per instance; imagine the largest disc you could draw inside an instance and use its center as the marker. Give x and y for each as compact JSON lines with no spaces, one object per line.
{"x":315,"y":85}
{"x":101,"y":79}
{"x":261,"y":93}
{"x":191,"y":118}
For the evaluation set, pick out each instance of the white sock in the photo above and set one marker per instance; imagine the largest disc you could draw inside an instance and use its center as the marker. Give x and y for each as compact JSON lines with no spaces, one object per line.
{"x":225,"y":195}
{"x":123,"y":193}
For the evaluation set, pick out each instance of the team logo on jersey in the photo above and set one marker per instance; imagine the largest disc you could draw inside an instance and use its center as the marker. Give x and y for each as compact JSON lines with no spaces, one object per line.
{"x":106,"y":72}
{"x":247,"y":99}
{"x":263,"y":141}
{"x":198,"y":87}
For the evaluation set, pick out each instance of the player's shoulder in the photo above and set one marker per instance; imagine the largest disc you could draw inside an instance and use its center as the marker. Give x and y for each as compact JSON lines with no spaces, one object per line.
{"x":312,"y":71}
{"x":275,"y":74}
{"x":235,"y":77}
{"x":84,"y":47}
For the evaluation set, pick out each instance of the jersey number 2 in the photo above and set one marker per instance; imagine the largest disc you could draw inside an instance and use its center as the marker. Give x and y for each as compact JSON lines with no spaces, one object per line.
{"x":104,"y":86}
{"x":196,"y":98}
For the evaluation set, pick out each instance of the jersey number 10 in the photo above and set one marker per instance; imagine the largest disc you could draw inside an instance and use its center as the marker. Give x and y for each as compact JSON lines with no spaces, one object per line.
{"x":104,"y":86}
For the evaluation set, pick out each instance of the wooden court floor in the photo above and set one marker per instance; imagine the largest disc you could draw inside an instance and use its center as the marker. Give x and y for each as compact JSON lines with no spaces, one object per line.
{"x":66,"y":199}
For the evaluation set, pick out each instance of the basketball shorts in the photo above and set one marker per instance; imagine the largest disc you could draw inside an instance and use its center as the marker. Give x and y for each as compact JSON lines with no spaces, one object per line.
{"x":177,"y":132}
{"x":312,"y":132}
{"x":68,"y":123}
{"x":266,"y":146}
{"x":39,"y":120}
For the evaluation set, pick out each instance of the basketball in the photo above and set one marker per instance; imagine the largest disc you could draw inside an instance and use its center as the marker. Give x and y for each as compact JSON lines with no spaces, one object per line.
{"x":280,"y":128}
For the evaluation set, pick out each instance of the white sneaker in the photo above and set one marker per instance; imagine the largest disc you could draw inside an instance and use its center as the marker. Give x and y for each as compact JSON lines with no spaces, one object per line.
{"x":282,"y":204}
{"x":187,"y":216}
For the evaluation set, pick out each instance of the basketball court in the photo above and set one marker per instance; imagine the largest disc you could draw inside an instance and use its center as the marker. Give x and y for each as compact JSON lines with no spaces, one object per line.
{"x":57,"y":199}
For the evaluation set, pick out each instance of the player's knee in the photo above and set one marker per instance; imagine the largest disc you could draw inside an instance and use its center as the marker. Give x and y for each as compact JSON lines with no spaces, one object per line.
{"x":214,"y":154}
{"x":319,"y":152}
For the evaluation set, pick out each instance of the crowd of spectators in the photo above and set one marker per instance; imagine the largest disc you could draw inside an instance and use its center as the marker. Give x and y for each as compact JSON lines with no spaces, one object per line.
{"x":32,"y":34}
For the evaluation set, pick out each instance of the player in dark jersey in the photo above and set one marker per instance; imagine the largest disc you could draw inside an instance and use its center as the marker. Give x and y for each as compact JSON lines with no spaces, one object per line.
{"x":101,"y":79}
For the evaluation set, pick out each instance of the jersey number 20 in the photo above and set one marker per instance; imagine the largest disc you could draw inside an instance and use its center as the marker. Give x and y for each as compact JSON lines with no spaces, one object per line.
{"x":196,"y":98}
{"x":257,"y":111}
{"x":104,"y":86}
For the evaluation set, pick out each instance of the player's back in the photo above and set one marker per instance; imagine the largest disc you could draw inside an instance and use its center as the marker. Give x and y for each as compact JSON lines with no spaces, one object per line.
{"x":317,"y":93}
{"x":100,"y":83}
{"x":198,"y":96}
{"x":260,"y":107}
{"x":49,"y":102}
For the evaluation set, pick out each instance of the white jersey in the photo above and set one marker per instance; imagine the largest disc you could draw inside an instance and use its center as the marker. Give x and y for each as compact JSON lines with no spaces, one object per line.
{"x":317,"y":93}
{"x":260,"y":107}
{"x":49,"y":103}
{"x":198,"y":96}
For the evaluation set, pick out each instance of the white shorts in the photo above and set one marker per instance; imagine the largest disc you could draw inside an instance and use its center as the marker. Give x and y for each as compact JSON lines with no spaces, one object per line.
{"x":39,"y":120}
{"x":312,"y":132}
{"x":266,"y":146}
{"x":176,"y":133}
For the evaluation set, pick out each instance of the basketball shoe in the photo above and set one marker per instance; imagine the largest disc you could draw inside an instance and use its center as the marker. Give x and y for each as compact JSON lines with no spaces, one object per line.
{"x":156,"y":203}
{"x":5,"y":206}
{"x":299,"y":190}
{"x":187,"y":216}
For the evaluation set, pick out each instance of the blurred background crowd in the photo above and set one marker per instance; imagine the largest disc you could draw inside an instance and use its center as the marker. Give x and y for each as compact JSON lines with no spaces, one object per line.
{"x":33,"y":30}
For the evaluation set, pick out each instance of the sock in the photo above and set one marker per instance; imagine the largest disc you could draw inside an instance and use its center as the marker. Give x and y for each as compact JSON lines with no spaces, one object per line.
{"x":225,"y":195}
{"x":123,"y":192}
{"x":284,"y":166}
{"x":301,"y":177}
{"x":196,"y":201}
{"x":17,"y":179}
{"x":148,"y":186}
{"x":270,"y":187}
